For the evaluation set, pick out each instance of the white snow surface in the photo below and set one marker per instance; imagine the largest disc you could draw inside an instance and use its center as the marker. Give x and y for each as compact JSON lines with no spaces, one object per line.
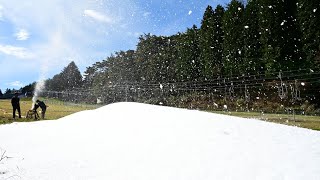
{"x":132,"y":141}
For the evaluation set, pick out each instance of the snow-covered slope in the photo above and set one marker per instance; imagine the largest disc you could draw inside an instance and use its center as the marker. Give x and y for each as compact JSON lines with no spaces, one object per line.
{"x":131,"y":141}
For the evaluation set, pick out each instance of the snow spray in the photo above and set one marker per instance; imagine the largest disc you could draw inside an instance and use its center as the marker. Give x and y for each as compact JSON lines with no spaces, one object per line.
{"x":40,"y":85}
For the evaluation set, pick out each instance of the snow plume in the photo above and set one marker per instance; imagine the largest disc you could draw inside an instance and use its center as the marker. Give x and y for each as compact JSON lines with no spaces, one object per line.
{"x":40,"y":84}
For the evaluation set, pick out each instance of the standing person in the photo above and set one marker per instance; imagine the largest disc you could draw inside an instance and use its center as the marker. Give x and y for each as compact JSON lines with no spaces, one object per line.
{"x":15,"y":102}
{"x":43,"y":107}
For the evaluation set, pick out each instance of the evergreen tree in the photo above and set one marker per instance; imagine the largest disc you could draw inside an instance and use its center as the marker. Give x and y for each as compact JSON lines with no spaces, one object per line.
{"x":269,"y":22}
{"x":89,"y":76}
{"x":279,"y":35}
{"x":120,"y":67}
{"x":141,"y":58}
{"x":251,"y":38}
{"x":8,"y":91}
{"x":292,"y":47}
{"x":309,"y":22}
{"x":128,"y":59}
{"x":1,"y":94}
{"x":146,"y":52}
{"x":233,"y":41}
{"x":207,"y":43}
{"x":71,"y":77}
{"x":28,"y":88}
{"x":155,"y":57}
{"x":167,"y":58}
{"x":55,"y":84}
{"x":187,"y":64}
{"x":218,"y":37}
{"x":68,"y":79}
{"x":101,"y":79}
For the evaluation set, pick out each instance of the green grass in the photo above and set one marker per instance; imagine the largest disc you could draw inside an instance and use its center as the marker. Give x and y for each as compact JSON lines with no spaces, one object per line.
{"x":310,"y":122}
{"x":56,"y":109}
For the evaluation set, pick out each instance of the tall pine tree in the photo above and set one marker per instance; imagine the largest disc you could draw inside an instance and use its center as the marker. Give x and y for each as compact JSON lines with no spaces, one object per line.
{"x":207,"y":43}
{"x":218,"y":37}
{"x":69,"y":78}
{"x":233,"y":41}
{"x":309,"y":22}
{"x":155,"y":56}
{"x":187,"y":63}
{"x":279,"y":35}
{"x":251,"y":39}
{"x":291,"y":38}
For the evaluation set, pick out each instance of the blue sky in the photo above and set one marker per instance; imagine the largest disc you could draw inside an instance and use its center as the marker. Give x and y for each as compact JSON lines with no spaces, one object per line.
{"x":38,"y":38}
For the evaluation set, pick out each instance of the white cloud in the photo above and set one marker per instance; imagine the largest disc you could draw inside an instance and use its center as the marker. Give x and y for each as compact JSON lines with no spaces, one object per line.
{"x":19,"y":52}
{"x":22,"y":35}
{"x":98,"y":16}
{"x":146,"y":14}
{"x":134,"y":34}
{"x":84,"y":31}
{"x":16,"y":84}
{"x":64,"y":30}
{"x":1,"y":13}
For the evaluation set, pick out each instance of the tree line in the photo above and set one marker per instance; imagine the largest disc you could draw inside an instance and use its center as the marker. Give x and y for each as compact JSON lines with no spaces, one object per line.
{"x":258,"y":39}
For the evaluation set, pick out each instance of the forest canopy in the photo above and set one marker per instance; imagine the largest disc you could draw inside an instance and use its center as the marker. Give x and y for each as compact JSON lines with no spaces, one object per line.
{"x":268,"y":48}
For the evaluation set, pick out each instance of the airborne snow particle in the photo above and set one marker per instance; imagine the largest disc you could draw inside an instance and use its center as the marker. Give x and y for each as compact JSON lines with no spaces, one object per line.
{"x":246,"y":27}
{"x":190,"y":12}
{"x":282,"y":23}
{"x":314,"y":10}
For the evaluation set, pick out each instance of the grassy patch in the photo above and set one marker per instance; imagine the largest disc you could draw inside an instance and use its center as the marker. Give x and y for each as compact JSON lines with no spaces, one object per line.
{"x":310,"y":122}
{"x":56,"y":109}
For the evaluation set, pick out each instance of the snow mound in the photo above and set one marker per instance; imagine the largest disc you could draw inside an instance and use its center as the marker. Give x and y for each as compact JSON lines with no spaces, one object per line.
{"x":136,"y":141}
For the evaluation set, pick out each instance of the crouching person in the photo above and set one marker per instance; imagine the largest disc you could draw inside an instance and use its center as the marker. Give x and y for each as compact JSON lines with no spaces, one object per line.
{"x":43,"y":107}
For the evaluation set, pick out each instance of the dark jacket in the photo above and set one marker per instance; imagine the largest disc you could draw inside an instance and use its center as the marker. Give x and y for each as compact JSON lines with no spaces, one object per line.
{"x":15,"y":101}
{"x":42,"y":105}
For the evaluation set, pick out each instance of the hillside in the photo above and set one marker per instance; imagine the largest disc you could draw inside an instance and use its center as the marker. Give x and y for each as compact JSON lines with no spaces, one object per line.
{"x":142,"y":142}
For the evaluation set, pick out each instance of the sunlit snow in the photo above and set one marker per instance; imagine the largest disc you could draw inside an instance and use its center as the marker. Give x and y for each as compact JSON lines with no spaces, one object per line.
{"x":135,"y":141}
